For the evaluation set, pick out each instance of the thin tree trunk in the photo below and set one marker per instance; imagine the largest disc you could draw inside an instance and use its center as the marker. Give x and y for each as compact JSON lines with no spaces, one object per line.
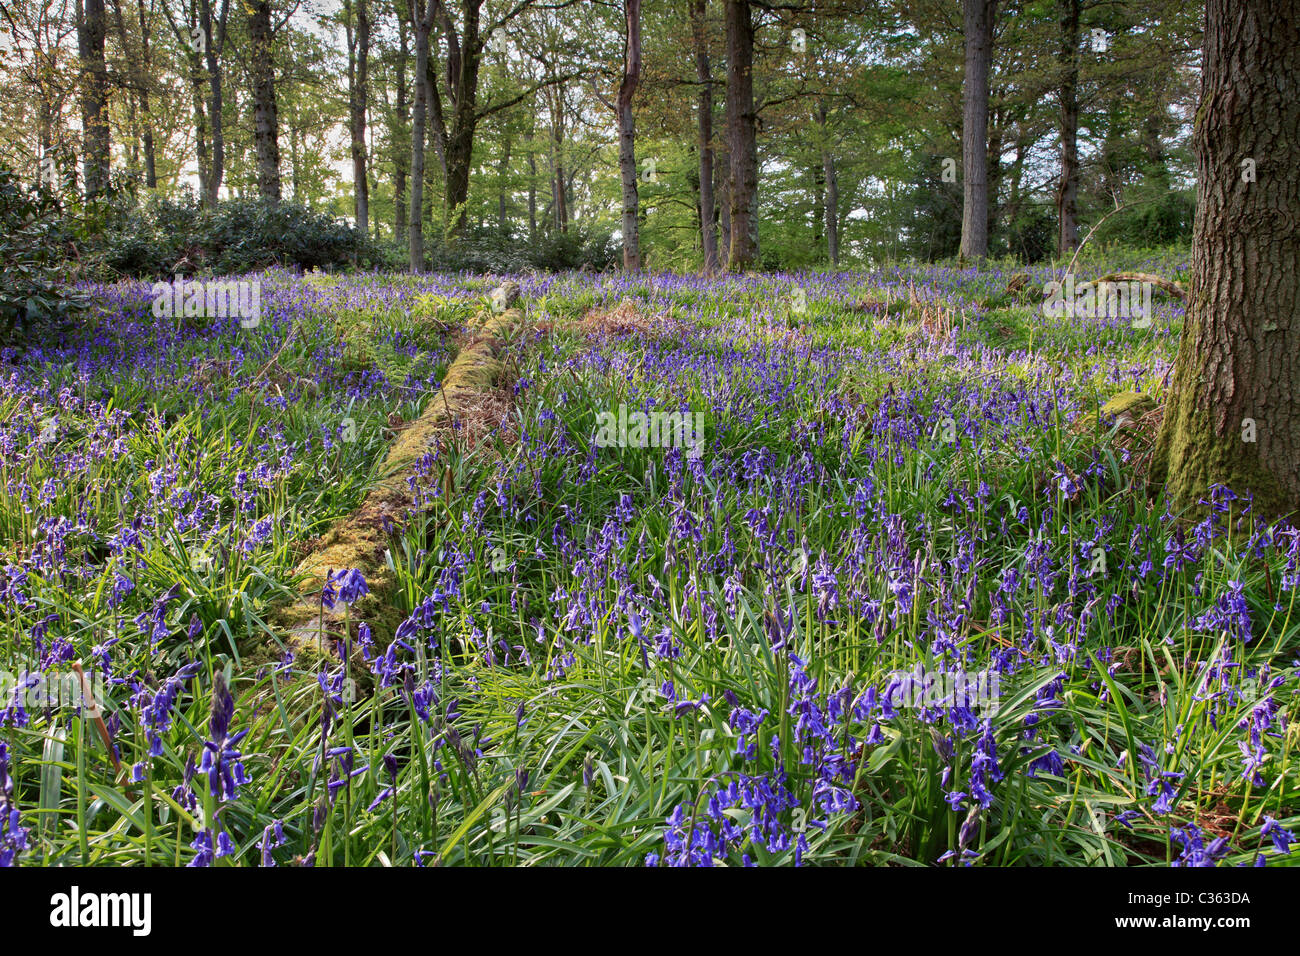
{"x":358,"y":74}
{"x":503,"y":172}
{"x":1067,"y":191}
{"x":703,"y":74}
{"x":627,"y":134}
{"x":832,"y":208}
{"x":202,"y":153}
{"x":146,"y":63}
{"x":978,"y":30}
{"x":994,"y":173}
{"x":213,"y":42}
{"x":742,"y":121}
{"x":421,"y":21}
{"x":817,"y":201}
{"x":722,"y":189}
{"x":401,"y":157}
{"x":532,"y":191}
{"x":1232,"y":416}
{"x":266,"y":126}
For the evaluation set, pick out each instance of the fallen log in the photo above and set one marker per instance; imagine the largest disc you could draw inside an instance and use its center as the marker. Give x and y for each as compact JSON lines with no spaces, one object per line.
{"x":358,"y":540}
{"x":1160,"y":282}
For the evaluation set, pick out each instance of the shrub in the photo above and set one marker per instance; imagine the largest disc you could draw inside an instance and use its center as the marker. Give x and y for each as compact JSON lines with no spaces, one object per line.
{"x":248,"y":234}
{"x":164,"y":236}
{"x":35,"y":291}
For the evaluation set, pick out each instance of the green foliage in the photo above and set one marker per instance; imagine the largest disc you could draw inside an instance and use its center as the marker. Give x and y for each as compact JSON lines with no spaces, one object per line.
{"x":35,"y":294}
{"x":177,"y":236}
{"x":487,"y":251}
{"x":1166,"y":219}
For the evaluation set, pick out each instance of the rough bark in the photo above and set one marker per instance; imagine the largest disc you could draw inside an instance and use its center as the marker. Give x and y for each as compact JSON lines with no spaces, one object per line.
{"x":627,"y":133}
{"x":1239,"y":356}
{"x":742,"y":138}
{"x":266,"y":124}
{"x":92,"y":28}
{"x":978,"y":30}
{"x":454,"y":125}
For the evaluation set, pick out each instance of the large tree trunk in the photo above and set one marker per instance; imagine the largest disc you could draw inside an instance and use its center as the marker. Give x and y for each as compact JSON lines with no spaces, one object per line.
{"x":708,"y":226}
{"x":742,"y":122}
{"x":1067,"y":191}
{"x":627,"y":133}
{"x":266,"y":126}
{"x":464,"y":57}
{"x":358,"y":78}
{"x":421,"y":21}
{"x":978,"y":29}
{"x":92,"y":27}
{"x":1233,"y":412}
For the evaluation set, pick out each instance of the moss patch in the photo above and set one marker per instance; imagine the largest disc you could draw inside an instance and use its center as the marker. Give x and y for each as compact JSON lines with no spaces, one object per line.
{"x":360,"y":540}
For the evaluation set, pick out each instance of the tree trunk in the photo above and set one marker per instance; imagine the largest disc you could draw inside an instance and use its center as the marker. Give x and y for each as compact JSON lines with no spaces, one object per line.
{"x":832,"y":209}
{"x":817,"y":202}
{"x":532,"y":189}
{"x":978,"y":29}
{"x":503,"y":173}
{"x":464,"y":57}
{"x":1067,"y":191}
{"x":266,"y":126}
{"x":92,"y":27}
{"x":559,"y":205}
{"x":213,"y":42}
{"x":139,"y":69}
{"x":422,"y":23}
{"x":994,"y":173}
{"x":400,"y":156}
{"x":146,"y":62}
{"x":722,"y":189}
{"x":1232,"y":415}
{"x":203,"y":154}
{"x":708,"y":226}
{"x":627,"y":133}
{"x":358,"y":77}
{"x":742,"y":121}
